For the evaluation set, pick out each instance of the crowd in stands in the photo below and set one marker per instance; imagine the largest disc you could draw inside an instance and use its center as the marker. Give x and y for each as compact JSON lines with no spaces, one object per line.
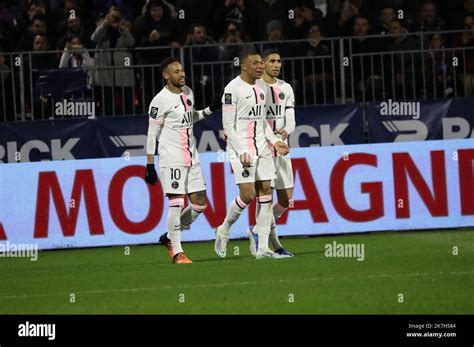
{"x":217,"y":30}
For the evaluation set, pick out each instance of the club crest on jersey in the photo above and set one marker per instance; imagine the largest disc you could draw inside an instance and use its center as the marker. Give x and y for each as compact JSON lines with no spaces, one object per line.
{"x":281,"y":96}
{"x":174,"y":185}
{"x":228,"y":99}
{"x":245,"y":173}
{"x":189,"y":102}
{"x":262,"y":96}
{"x":154,"y":112}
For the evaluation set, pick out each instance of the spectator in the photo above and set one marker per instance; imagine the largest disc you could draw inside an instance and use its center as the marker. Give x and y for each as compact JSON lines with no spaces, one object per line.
{"x":38,"y":8}
{"x":457,"y":17}
{"x":314,"y":46}
{"x":401,"y":40}
{"x":195,"y":12}
{"x":438,"y":77}
{"x":318,"y":79}
{"x":268,"y":10}
{"x":198,"y":38}
{"x":466,"y":40}
{"x":7,"y":112}
{"x":341,"y":23}
{"x":366,"y":69}
{"x":401,"y":65}
{"x":233,"y":43}
{"x":386,"y":16}
{"x":75,"y":55}
{"x":239,"y":12}
{"x":42,"y":61}
{"x":429,"y":20}
{"x":112,"y":78}
{"x":74,"y":28}
{"x":155,"y":28}
{"x":275,"y":38}
{"x":7,"y":27}
{"x":305,"y":16}
{"x":199,"y":51}
{"x":274,"y":31}
{"x":34,"y":8}
{"x":38,"y":27}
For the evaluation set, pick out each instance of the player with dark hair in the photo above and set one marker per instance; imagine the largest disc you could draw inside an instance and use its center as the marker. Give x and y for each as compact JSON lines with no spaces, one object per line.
{"x":281,"y":119}
{"x":248,"y":133}
{"x":172,"y":116}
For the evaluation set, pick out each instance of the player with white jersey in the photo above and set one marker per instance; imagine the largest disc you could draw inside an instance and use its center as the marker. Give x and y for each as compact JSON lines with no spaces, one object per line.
{"x":248,"y":133}
{"x":171,"y":120}
{"x":281,"y":118}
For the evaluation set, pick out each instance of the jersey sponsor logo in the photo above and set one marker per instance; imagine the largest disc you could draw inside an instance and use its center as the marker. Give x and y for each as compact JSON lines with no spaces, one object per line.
{"x":274,"y":111}
{"x":228,"y":99}
{"x":154,"y":112}
{"x":187,"y":118}
{"x":245,"y":173}
{"x":281,"y":96}
{"x":262,"y":96}
{"x":175,"y":185}
{"x":189,"y":102}
{"x":256,"y":111}
{"x":248,"y":96}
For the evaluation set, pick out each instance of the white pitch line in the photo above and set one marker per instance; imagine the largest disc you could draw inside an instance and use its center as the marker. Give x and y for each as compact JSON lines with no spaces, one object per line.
{"x":124,"y":290}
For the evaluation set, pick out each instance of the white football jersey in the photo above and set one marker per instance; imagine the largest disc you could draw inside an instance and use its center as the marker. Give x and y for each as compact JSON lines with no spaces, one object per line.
{"x":280,"y":108}
{"x":243,"y":118}
{"x":175,"y":115}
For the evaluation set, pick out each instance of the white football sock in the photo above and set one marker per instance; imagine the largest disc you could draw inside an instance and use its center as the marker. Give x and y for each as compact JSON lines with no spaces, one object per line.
{"x":278,"y":210}
{"x":190,"y":214}
{"x":235,"y":210}
{"x":174,"y":224}
{"x":264,"y":220}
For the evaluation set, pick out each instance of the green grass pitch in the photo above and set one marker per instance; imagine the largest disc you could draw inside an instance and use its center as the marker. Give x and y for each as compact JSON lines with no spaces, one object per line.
{"x":419,"y":265}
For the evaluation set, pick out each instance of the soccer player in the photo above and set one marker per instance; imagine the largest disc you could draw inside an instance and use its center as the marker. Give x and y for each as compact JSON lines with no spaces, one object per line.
{"x":171,"y":120}
{"x":247,"y":131}
{"x":281,"y":118}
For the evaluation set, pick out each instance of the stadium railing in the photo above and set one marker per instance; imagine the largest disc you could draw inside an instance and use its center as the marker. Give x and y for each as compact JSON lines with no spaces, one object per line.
{"x":330,"y":71}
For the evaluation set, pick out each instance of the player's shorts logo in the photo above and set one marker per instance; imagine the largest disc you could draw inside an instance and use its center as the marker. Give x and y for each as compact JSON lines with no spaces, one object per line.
{"x":281,"y":95}
{"x":189,"y":102}
{"x":228,"y":99}
{"x":154,"y":112}
{"x":174,"y":185}
{"x":245,"y":173}
{"x":262,"y":96}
